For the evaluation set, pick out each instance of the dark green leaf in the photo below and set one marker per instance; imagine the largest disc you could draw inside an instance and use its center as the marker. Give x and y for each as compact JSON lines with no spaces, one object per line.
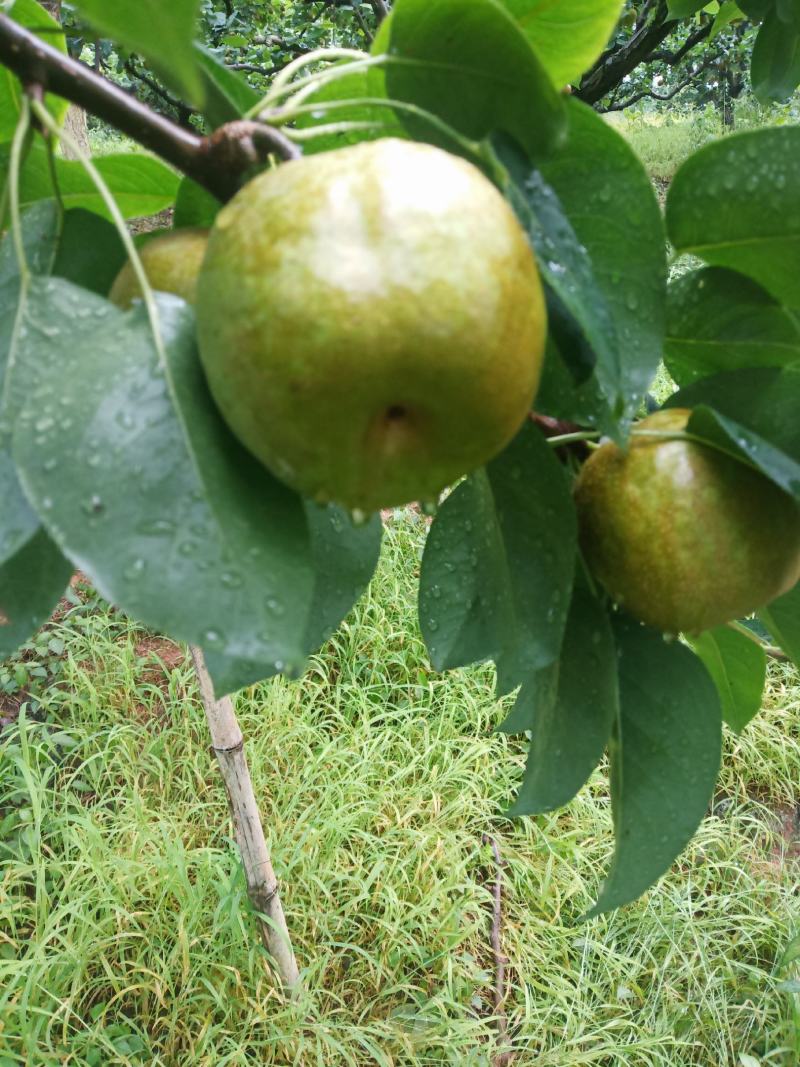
{"x":568,"y":35}
{"x":31,"y":584}
{"x":664,"y":759}
{"x":344,"y":559}
{"x":732,"y":437}
{"x":589,"y":175}
{"x":33,"y":17}
{"x":90,"y":253}
{"x":468,"y":62}
{"x":149,"y":493}
{"x":227,"y":94}
{"x":775,"y":68}
{"x":579,"y":316}
{"x":327,"y":108}
{"x":752,"y":414}
{"x":681,"y":9}
{"x":782,"y":619}
{"x":756,"y":9}
{"x":735,"y":204}
{"x":142,"y":185}
{"x":570,"y":733}
{"x":194,"y":206}
{"x":718,"y":320}
{"x":18,"y":522}
{"x":161,"y":32}
{"x":535,"y":698}
{"x":498,"y":565}
{"x":738,"y":667}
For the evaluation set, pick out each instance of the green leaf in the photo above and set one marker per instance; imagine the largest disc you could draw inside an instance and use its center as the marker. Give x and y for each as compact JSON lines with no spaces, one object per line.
{"x":664,"y":759}
{"x":734,"y":204}
{"x":31,"y":583}
{"x":782,"y":619}
{"x":33,"y":17}
{"x":354,"y":87}
{"x":227,"y":95}
{"x":568,"y":35}
{"x":162,"y":33}
{"x":536,"y":698}
{"x":570,"y":732}
{"x":591,"y":175}
{"x":498,"y":565}
{"x":147,"y":491}
{"x":142,"y":185}
{"x":344,"y":557}
{"x":468,"y":62}
{"x":732,"y":437}
{"x":756,"y":9}
{"x":738,"y":668}
{"x":775,"y":67}
{"x":18,"y":522}
{"x":751,"y":414}
{"x":90,"y":252}
{"x":194,"y":206}
{"x":718,"y":320}
{"x":681,"y":9}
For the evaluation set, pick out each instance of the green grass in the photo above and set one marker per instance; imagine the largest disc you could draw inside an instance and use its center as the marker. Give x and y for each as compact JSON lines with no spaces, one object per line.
{"x":125,"y":936}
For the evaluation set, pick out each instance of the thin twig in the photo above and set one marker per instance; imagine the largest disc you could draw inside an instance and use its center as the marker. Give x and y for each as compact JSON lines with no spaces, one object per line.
{"x":505,"y":1056}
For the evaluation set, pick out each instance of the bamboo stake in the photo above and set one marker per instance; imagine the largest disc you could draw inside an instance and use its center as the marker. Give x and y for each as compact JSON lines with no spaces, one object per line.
{"x":262,"y":885}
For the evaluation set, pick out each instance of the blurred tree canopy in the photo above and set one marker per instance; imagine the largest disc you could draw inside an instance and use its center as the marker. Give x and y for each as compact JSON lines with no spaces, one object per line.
{"x":663,"y":50}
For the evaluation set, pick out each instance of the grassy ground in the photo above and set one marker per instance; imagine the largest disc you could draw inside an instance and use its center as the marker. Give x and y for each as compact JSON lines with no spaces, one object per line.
{"x":125,"y":936}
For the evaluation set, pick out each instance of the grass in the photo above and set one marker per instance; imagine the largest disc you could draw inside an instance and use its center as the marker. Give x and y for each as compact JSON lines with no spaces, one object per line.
{"x":125,"y":935}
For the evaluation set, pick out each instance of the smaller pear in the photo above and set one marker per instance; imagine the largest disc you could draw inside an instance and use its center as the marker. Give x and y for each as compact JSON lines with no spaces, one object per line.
{"x":171,"y":262}
{"x":684,"y":537}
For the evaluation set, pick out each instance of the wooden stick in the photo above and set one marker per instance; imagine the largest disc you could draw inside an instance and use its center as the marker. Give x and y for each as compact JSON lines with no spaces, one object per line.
{"x":262,"y":885}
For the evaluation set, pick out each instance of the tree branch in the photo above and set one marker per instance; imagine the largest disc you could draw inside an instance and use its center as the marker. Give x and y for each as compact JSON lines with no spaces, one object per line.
{"x":672,"y":59}
{"x":381,"y":9}
{"x":651,"y":95}
{"x":218,"y":162}
{"x":614,"y":64}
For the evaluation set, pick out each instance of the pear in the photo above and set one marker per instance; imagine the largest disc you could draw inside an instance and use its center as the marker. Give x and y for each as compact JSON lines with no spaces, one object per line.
{"x":371,"y":322}
{"x":171,"y":262}
{"x":684,"y":537}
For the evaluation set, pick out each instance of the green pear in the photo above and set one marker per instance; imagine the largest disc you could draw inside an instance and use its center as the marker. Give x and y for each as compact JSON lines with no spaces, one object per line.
{"x":684,"y":537}
{"x":371,"y":322}
{"x":171,"y":262}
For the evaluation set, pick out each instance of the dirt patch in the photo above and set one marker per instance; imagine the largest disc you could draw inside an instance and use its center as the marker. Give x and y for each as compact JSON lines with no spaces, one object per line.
{"x":10,"y":703}
{"x":160,"y":658}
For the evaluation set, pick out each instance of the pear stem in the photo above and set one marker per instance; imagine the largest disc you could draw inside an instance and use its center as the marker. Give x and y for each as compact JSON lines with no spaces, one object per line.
{"x":572,"y":438}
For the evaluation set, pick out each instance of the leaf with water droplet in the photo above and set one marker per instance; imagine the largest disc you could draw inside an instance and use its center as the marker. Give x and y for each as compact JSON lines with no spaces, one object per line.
{"x":754,"y":228}
{"x":570,"y":709}
{"x":486,"y":580}
{"x":665,"y":756}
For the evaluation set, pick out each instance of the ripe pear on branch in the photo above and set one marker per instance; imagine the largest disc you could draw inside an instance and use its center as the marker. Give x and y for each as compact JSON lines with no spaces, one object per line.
{"x":371,"y":322}
{"x":683,"y":536}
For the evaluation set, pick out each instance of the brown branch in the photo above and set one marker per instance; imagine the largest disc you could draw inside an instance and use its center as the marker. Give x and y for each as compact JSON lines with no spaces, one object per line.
{"x":651,"y":95}
{"x":381,"y":9}
{"x":500,"y":959}
{"x":218,"y":163}
{"x":672,"y":59}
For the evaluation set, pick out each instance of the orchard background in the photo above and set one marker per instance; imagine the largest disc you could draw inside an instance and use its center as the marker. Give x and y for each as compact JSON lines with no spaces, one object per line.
{"x":428,"y":925}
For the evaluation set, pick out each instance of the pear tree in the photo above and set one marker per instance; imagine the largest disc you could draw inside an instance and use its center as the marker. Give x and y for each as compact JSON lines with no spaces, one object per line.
{"x":419,"y":273}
